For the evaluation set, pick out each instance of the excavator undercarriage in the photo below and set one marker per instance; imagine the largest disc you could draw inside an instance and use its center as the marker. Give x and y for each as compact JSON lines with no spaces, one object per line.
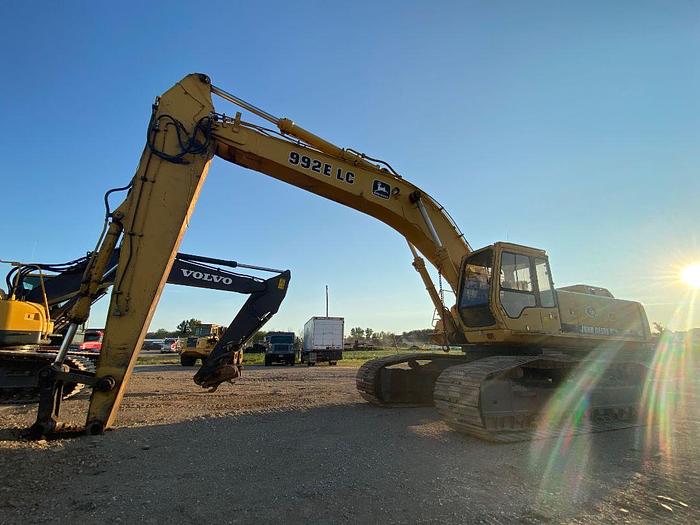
{"x":509,"y":398}
{"x":19,"y":373}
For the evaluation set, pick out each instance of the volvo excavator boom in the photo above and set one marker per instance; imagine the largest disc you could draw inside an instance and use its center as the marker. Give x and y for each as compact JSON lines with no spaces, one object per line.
{"x":507,"y":308}
{"x":52,"y":289}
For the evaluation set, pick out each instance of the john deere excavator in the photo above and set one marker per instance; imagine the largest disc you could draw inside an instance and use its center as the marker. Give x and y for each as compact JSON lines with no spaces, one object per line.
{"x":39,"y":296}
{"x":522,"y":339}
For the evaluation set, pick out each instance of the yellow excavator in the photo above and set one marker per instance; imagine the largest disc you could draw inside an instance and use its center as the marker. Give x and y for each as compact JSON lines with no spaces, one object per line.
{"x":522,"y":340}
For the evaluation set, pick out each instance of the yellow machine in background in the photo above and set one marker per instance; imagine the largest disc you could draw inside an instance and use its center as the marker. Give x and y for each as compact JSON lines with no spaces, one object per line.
{"x":521,"y":338}
{"x":28,"y":336}
{"x":200,"y":346}
{"x":24,"y":323}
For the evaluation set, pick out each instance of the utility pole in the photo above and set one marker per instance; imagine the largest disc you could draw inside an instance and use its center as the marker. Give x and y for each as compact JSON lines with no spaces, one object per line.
{"x":326,"y":300}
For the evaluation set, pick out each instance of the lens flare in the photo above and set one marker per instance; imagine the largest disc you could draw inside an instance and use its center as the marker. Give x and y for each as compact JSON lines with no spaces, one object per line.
{"x":564,"y":460}
{"x":690,"y":275}
{"x":664,"y":407}
{"x":667,"y":389}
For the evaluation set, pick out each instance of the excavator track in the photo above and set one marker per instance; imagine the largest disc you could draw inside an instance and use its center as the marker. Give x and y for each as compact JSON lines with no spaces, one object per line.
{"x":19,"y":383}
{"x":384,"y":382}
{"x":505,"y":398}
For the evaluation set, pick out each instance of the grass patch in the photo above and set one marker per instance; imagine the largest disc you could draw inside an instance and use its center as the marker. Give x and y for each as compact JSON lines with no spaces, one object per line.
{"x":359,"y":357}
{"x":158,"y":359}
{"x":350,"y":357}
{"x":253,"y":359}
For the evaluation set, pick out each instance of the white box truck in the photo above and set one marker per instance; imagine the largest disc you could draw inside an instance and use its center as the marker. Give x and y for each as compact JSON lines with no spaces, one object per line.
{"x":323,"y":340}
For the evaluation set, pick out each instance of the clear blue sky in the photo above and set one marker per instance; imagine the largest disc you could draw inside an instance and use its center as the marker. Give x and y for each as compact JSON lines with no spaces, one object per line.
{"x":570,"y":126}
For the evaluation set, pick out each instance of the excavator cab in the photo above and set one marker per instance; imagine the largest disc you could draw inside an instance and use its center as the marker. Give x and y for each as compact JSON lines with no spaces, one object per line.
{"x":507,"y":288}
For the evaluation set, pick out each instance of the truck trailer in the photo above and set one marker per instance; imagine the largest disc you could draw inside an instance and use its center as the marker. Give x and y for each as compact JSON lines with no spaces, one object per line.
{"x":323,"y":340}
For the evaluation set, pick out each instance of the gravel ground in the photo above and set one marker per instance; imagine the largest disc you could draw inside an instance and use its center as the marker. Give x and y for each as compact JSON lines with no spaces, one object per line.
{"x":299,"y":445}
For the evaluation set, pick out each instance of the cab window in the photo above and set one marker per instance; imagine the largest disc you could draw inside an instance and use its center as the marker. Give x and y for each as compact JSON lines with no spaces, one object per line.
{"x":517,"y":289}
{"x":544,"y":283}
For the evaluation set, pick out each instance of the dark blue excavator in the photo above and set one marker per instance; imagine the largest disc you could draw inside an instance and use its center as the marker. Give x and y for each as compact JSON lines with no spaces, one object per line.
{"x":54,"y":288}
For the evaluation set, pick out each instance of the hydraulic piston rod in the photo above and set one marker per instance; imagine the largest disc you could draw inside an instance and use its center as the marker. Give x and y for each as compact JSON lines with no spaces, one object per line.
{"x":416,"y":199}
{"x":288,"y":126}
{"x":245,"y":105}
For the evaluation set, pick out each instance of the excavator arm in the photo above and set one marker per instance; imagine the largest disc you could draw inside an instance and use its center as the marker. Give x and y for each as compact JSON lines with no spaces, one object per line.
{"x":183,"y":135}
{"x":225,"y":361}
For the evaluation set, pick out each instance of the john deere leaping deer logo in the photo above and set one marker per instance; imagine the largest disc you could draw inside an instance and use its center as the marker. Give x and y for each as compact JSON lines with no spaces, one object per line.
{"x":381,"y":189}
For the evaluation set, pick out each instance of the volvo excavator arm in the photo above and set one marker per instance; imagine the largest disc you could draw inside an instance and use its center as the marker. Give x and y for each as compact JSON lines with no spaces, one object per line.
{"x":183,"y":135}
{"x":60,"y":290}
{"x":56,"y":287}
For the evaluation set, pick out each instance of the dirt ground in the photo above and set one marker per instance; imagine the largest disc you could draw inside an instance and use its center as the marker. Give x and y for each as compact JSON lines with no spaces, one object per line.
{"x":299,"y":445}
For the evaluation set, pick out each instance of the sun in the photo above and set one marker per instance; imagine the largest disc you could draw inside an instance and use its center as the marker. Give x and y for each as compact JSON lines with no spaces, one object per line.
{"x":691,"y":275}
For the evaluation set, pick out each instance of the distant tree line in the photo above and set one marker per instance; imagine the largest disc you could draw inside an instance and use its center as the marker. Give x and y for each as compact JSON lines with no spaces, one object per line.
{"x":187,"y":326}
{"x":363,"y":336}
{"x":183,"y":329}
{"x":359,"y":335}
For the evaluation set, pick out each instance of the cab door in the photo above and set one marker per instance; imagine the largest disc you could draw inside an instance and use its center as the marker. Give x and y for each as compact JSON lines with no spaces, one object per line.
{"x":526,"y":293}
{"x":517,"y":292}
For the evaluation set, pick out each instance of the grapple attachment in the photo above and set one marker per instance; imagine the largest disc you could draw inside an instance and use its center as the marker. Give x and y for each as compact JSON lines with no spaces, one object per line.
{"x":225,"y":369}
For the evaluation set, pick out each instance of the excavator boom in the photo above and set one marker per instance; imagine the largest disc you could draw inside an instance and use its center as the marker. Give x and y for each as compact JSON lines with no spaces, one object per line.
{"x":350,"y":180}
